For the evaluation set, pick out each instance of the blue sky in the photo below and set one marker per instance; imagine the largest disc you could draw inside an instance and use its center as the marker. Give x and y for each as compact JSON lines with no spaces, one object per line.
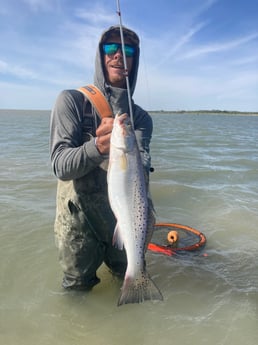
{"x":195,"y":54}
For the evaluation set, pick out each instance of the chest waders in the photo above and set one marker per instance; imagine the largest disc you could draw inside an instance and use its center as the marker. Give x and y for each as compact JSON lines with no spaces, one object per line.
{"x":84,"y":221}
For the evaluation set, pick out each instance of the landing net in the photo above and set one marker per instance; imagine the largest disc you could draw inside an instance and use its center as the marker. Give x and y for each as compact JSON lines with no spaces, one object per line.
{"x":172,"y":238}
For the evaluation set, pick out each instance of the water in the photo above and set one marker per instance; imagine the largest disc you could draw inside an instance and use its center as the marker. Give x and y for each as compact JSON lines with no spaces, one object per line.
{"x":206,"y":172}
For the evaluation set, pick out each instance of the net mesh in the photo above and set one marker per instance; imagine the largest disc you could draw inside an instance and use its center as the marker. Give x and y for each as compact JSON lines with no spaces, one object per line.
{"x":189,"y":239}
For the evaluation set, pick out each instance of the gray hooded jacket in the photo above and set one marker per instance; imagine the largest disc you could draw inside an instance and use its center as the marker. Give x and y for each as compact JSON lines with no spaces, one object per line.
{"x":74,"y":121}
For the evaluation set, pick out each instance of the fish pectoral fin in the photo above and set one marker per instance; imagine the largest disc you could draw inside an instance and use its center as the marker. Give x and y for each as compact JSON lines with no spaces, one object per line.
{"x":123,"y":162}
{"x":117,"y":238}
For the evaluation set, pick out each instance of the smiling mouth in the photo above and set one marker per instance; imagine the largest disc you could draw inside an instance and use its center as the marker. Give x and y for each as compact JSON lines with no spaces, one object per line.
{"x":117,"y":66}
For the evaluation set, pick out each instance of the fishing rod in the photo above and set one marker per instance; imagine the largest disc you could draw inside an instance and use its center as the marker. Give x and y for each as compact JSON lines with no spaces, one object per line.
{"x":125,"y":63}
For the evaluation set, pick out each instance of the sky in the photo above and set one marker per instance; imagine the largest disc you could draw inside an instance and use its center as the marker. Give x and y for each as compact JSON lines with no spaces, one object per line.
{"x":195,"y":54}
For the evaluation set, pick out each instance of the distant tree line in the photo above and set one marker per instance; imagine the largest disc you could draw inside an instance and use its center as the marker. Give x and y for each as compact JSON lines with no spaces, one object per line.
{"x":213,"y":111}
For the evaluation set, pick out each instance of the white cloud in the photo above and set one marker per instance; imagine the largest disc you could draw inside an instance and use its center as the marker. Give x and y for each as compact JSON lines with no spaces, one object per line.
{"x":16,"y":71}
{"x":41,"y":5}
{"x":43,"y":99}
{"x":219,"y":88}
{"x":173,"y":48}
{"x":246,"y":60}
{"x":219,"y":47}
{"x":96,"y":15}
{"x":3,"y":66}
{"x":185,"y":63}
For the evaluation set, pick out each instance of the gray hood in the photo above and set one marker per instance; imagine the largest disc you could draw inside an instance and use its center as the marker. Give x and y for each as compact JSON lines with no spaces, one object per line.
{"x":117,"y":97}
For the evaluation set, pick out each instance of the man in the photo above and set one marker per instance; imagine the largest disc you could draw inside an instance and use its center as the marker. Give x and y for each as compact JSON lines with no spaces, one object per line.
{"x":79,"y":144}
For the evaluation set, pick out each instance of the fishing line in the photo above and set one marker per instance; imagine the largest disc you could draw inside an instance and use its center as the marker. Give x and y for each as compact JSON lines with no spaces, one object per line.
{"x":125,"y":63}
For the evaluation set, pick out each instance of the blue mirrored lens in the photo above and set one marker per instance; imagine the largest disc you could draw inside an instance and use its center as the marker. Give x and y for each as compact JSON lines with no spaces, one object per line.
{"x":112,"y":48}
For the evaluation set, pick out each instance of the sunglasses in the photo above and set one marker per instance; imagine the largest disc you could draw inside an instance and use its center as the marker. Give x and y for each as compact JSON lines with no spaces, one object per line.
{"x":112,"y":48}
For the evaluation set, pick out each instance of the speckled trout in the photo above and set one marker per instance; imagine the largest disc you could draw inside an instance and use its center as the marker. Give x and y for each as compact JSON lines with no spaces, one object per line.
{"x":131,"y":206}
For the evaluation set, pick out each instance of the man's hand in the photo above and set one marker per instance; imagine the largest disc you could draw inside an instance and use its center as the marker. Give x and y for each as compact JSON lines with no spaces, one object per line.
{"x":103,"y":134}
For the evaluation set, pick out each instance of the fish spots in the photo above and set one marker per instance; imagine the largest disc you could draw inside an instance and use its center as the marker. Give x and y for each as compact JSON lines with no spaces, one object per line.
{"x":129,"y":202}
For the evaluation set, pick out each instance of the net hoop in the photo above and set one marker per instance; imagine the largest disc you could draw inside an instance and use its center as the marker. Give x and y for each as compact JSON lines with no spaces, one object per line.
{"x":167,"y":250}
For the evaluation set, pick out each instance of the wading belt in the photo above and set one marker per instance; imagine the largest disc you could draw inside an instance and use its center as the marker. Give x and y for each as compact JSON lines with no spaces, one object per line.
{"x":97,"y":99}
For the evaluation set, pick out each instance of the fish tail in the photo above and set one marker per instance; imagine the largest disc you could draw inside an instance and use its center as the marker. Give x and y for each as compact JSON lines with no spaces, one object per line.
{"x":138,"y":290}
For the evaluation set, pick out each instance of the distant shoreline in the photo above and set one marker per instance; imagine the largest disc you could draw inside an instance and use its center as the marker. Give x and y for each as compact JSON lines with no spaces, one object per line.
{"x":11,"y":111}
{"x":151,"y":112}
{"x":203,"y":112}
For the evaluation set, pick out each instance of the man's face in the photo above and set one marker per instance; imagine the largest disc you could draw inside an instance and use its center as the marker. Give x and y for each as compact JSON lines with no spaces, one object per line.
{"x":114,"y":65}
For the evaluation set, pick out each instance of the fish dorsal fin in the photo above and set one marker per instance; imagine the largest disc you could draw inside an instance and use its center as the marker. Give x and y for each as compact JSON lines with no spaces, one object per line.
{"x":97,"y":99}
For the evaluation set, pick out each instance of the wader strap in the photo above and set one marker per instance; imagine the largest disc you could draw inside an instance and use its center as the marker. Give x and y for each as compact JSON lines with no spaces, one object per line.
{"x":98,"y":100}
